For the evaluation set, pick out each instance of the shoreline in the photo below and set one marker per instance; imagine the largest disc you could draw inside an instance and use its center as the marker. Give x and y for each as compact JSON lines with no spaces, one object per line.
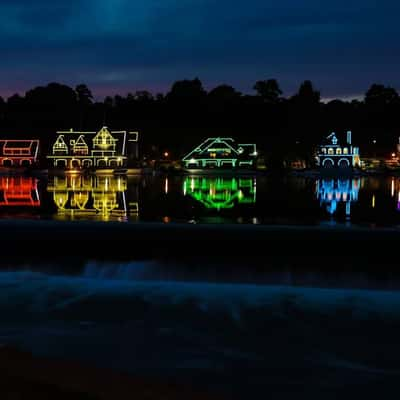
{"x":308,"y":173}
{"x":332,"y":246}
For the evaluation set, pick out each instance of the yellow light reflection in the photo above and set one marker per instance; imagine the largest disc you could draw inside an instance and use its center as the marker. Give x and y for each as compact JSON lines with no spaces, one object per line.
{"x":97,"y":196}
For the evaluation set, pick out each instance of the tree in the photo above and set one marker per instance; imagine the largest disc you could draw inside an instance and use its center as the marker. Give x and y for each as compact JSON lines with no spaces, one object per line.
{"x":307,"y":95}
{"x":2,"y":107}
{"x":306,"y":118}
{"x":382,"y":105}
{"x":224,"y":93}
{"x":15,"y":100}
{"x":187,"y":90}
{"x":143,"y":96}
{"x":84,"y":98}
{"x":108,"y":101}
{"x":380,"y":95}
{"x":54,"y":95}
{"x":119,"y":101}
{"x":160,"y":97}
{"x":268,"y":90}
{"x":83,"y":95}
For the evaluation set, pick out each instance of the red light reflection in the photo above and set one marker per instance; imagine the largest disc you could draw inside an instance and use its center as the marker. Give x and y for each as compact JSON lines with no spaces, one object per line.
{"x":19,"y":191}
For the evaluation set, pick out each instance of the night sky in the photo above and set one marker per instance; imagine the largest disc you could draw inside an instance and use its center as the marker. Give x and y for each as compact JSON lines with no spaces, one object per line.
{"x":122,"y":46}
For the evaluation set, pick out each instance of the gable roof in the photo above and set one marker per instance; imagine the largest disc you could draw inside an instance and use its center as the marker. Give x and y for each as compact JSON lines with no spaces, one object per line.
{"x":80,"y":142}
{"x":104,"y":134}
{"x":228,"y":142}
{"x":60,"y":142}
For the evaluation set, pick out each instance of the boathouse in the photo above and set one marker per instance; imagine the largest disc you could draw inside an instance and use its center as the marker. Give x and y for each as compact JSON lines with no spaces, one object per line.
{"x":221,"y":153}
{"x":103,"y":149}
{"x":18,"y":153}
{"x":333,"y":154}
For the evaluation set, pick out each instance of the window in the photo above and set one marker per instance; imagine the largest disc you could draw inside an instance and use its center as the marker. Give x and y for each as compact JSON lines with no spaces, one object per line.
{"x":82,"y":151}
{"x":16,"y":151}
{"x":338,"y":151}
{"x":330,"y":151}
{"x":345,"y":150}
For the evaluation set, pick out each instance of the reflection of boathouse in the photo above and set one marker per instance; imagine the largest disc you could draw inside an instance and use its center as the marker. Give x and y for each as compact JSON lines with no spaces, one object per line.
{"x":19,"y":191}
{"x":101,"y":197}
{"x":103,"y":149}
{"x":221,"y":153}
{"x":221,"y":193}
{"x":332,"y":192}
{"x":332,"y":154}
{"x":18,"y":153}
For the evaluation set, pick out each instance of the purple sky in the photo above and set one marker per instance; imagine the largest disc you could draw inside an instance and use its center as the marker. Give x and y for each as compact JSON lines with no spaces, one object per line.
{"x":120,"y":46}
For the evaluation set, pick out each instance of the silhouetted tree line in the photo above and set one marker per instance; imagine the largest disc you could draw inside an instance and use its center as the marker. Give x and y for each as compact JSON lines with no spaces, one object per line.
{"x":284,"y":128}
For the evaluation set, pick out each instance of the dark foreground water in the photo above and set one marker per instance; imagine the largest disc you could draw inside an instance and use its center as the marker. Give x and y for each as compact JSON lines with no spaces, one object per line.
{"x":233,"y":333}
{"x":204,"y":199}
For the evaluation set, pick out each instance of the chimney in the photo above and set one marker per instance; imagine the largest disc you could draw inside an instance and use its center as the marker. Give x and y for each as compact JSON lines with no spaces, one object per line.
{"x":349,"y":137}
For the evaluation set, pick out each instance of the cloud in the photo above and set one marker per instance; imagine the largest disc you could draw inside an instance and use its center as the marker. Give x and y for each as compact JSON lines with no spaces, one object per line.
{"x":342,"y":45}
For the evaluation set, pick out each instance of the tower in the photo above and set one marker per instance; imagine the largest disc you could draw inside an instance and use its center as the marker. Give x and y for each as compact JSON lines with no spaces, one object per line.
{"x":349,"y":137}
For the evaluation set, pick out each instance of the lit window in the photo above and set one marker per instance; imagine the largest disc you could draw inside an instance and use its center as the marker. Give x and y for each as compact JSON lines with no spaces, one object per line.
{"x":330,"y":151}
{"x":345,"y":150}
{"x":338,"y":151}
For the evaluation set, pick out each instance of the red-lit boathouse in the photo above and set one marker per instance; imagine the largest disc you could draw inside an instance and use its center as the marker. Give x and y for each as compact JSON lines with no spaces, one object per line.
{"x":18,"y":153}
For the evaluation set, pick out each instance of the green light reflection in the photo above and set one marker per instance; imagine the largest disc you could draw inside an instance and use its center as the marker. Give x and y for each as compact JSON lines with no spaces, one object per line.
{"x":220,"y":193}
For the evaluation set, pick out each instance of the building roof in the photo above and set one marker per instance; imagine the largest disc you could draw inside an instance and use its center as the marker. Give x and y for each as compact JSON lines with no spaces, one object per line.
{"x":228,"y":142}
{"x":18,"y":144}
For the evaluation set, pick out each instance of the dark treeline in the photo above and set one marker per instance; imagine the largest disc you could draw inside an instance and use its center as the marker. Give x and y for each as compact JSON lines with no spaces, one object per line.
{"x":284,"y":128}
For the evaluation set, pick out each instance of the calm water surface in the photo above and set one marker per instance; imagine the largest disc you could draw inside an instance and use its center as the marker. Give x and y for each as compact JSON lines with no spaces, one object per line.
{"x":370,"y":201}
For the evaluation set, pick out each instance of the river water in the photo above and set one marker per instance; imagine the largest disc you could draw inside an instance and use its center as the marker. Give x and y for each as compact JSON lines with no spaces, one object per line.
{"x":366,"y":201}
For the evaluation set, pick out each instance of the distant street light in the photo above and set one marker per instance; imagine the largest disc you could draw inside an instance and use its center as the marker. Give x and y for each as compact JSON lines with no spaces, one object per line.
{"x":166,"y":154}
